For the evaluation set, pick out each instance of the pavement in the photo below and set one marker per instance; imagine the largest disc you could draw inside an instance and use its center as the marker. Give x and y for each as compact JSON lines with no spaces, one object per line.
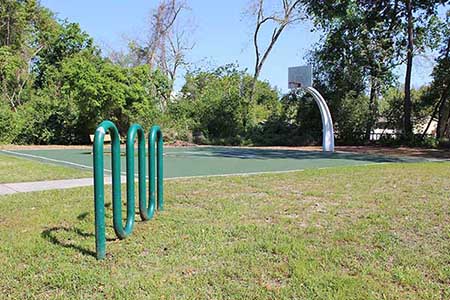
{"x":35,"y":186}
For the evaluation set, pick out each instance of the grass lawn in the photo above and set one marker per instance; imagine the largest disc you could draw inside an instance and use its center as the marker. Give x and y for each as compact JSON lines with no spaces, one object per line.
{"x":14,"y":169}
{"x":377,"y":232}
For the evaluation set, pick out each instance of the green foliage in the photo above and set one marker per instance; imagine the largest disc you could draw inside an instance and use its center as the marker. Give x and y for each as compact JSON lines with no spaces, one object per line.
{"x":212,"y":104}
{"x":218,"y":103}
{"x":56,"y":87}
{"x":8,"y":124}
{"x":299,"y":122}
{"x":351,"y":118}
{"x":66,"y":41}
{"x":88,"y":89}
{"x":391,"y":106}
{"x":362,"y":44}
{"x":45,"y":121}
{"x":439,"y":93}
{"x":25,"y":24}
{"x":11,"y":65}
{"x":296,"y":123}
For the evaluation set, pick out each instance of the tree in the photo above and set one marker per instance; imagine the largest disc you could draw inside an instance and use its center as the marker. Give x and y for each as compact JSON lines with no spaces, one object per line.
{"x":24,"y":30}
{"x":280,"y":18}
{"x":379,"y":35}
{"x":212,"y":103}
{"x":419,"y":19}
{"x":64,"y":42}
{"x":355,"y":57}
{"x":167,"y":41}
{"x":56,"y":87}
{"x":439,"y":92}
{"x":441,"y":82}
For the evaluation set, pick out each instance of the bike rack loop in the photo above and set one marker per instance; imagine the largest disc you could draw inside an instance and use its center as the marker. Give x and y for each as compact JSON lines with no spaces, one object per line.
{"x":156,"y":139}
{"x":146,"y":213}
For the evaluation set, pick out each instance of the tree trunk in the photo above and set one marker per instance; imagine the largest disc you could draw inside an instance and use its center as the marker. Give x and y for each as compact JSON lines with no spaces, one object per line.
{"x":433,"y":115}
{"x":444,"y":115}
{"x":372,"y":109}
{"x":444,"y":107}
{"x":407,"y":105}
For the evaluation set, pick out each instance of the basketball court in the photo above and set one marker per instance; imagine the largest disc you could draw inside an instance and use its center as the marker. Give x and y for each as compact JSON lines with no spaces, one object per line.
{"x":217,"y":161}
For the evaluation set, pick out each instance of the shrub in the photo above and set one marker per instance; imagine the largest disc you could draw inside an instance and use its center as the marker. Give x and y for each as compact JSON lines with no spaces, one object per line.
{"x":8,"y":124}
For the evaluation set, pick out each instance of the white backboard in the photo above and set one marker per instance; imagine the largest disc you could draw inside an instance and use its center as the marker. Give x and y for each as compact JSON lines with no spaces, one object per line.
{"x":300,"y":77}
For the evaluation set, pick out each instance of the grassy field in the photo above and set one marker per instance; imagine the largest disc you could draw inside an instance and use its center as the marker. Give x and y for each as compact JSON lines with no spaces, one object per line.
{"x":377,"y":232}
{"x":14,"y":169}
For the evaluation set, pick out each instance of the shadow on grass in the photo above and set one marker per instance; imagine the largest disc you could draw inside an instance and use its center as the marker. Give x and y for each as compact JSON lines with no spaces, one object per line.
{"x":51,"y":235}
{"x":82,"y":216}
{"x":108,"y":213}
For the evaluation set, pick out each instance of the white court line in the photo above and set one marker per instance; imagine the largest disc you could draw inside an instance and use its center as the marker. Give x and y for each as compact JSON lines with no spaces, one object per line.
{"x":13,"y":188}
{"x":55,"y":160}
{"x":46,"y":158}
{"x":170,"y":178}
{"x":199,"y":176}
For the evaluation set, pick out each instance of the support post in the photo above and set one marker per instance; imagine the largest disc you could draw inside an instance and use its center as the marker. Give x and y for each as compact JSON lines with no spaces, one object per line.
{"x":99,"y":185}
{"x":327,"y":121}
{"x":156,"y":141}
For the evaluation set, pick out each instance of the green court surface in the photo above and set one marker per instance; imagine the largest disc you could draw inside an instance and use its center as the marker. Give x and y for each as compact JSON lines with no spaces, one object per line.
{"x":213,"y":161}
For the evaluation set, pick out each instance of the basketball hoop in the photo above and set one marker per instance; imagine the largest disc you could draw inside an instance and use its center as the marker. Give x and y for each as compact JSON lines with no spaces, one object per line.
{"x":294,"y":85}
{"x":301,"y":78}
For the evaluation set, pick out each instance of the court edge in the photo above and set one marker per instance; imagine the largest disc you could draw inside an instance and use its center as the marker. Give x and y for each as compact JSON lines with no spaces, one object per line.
{"x":189,"y":177}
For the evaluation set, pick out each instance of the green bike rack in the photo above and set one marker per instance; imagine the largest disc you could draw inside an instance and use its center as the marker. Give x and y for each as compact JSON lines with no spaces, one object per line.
{"x":155,"y":144}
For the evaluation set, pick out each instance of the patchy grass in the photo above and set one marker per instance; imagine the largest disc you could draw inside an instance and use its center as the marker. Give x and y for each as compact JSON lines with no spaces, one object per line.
{"x":378,"y":232}
{"x":13,"y":169}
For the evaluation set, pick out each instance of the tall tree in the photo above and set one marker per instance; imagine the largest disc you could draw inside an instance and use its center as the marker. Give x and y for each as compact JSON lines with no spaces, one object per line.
{"x":439,"y":91}
{"x":167,"y":42}
{"x":25,"y":27}
{"x":441,"y":76}
{"x":419,"y":18}
{"x":407,"y":105}
{"x":355,"y":56}
{"x":386,"y":33}
{"x":286,"y":13}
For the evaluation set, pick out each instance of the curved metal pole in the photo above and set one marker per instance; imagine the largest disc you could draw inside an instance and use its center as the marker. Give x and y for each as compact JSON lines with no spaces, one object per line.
{"x":327,"y":121}
{"x":136,"y":130}
{"x":156,"y":138}
{"x":99,"y":185}
{"x":146,"y":210}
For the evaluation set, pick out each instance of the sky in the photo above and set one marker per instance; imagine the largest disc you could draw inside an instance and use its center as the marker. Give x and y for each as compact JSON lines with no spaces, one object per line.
{"x":222,"y":34}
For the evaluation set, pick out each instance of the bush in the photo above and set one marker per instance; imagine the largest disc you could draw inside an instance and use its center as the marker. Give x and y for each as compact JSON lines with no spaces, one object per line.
{"x":297,"y":123}
{"x":46,"y":121}
{"x":216,"y":105}
{"x":8,"y":124}
{"x":444,"y":143}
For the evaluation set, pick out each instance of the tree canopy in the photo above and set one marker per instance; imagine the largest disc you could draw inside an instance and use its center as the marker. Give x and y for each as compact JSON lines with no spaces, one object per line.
{"x":56,"y":85}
